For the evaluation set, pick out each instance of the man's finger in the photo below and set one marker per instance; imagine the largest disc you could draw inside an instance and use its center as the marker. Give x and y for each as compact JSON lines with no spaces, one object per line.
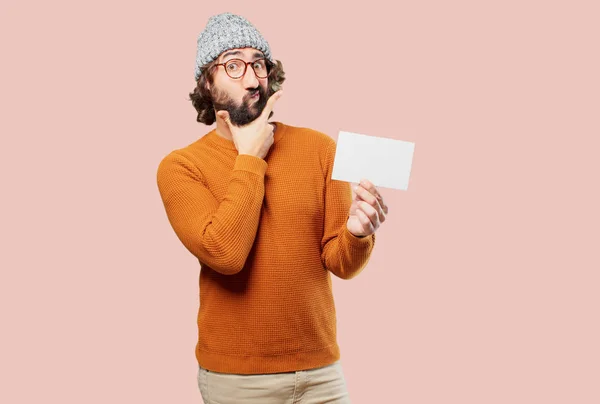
{"x":224,"y":115}
{"x":271,"y":103}
{"x":377,"y":203}
{"x":364,"y":194}
{"x":371,"y":212}
{"x":368,"y":185}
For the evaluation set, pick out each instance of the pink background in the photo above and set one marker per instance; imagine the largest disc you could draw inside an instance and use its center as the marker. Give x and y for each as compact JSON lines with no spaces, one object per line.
{"x":483,"y":287}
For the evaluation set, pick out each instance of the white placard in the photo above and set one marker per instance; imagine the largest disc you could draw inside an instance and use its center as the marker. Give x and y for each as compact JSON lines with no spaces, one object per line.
{"x":383,"y":161}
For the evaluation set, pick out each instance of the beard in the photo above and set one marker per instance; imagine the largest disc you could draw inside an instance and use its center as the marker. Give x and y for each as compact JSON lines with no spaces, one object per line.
{"x":247,"y":111}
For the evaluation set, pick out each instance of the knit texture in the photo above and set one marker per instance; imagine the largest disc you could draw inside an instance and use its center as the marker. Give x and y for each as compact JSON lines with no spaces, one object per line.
{"x":224,"y":32}
{"x":267,"y":235}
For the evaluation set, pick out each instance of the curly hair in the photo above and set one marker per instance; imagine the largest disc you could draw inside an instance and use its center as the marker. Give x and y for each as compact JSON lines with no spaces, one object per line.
{"x":202,"y":99}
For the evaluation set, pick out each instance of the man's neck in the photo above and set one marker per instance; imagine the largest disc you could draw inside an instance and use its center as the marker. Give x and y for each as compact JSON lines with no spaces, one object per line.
{"x":223,"y":130}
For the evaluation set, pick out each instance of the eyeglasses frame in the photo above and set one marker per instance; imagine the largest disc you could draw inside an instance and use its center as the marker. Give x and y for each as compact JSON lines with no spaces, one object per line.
{"x":268,"y":65}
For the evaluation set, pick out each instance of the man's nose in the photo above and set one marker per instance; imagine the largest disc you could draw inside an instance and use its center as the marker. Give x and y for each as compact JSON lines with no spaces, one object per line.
{"x":250,"y":80}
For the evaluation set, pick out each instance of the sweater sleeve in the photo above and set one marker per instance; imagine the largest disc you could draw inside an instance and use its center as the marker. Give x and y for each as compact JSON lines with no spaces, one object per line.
{"x":220,"y":235}
{"x":342,"y":253}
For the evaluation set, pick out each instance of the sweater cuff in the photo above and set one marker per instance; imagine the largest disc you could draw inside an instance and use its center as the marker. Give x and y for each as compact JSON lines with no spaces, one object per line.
{"x":253,"y":164}
{"x":358,"y":242}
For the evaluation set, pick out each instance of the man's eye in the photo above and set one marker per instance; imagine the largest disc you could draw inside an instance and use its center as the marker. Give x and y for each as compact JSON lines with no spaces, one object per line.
{"x":233,"y":66}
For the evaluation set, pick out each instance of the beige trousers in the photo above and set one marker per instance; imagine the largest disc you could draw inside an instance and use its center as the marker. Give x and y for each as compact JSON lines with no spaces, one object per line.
{"x":313,"y":386}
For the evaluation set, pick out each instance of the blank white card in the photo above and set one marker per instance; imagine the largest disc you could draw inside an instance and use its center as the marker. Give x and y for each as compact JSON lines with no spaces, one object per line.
{"x":383,"y":161}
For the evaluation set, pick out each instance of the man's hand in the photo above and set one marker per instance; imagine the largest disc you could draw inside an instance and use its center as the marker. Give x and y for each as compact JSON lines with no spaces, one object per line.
{"x":255,"y":138}
{"x":368,"y":210}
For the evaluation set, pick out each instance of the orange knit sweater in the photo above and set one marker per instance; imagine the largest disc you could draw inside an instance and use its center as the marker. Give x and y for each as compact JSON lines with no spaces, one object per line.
{"x":267,"y":233}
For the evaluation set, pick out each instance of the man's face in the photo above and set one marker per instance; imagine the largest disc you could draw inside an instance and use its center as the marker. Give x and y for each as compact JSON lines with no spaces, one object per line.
{"x":244,"y":98}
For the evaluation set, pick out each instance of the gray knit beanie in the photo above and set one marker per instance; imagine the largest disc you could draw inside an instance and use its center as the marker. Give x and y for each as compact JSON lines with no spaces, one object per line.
{"x":227,"y":31}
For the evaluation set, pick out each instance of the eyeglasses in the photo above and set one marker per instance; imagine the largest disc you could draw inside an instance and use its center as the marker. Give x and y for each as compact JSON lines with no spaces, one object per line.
{"x":236,"y":68}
